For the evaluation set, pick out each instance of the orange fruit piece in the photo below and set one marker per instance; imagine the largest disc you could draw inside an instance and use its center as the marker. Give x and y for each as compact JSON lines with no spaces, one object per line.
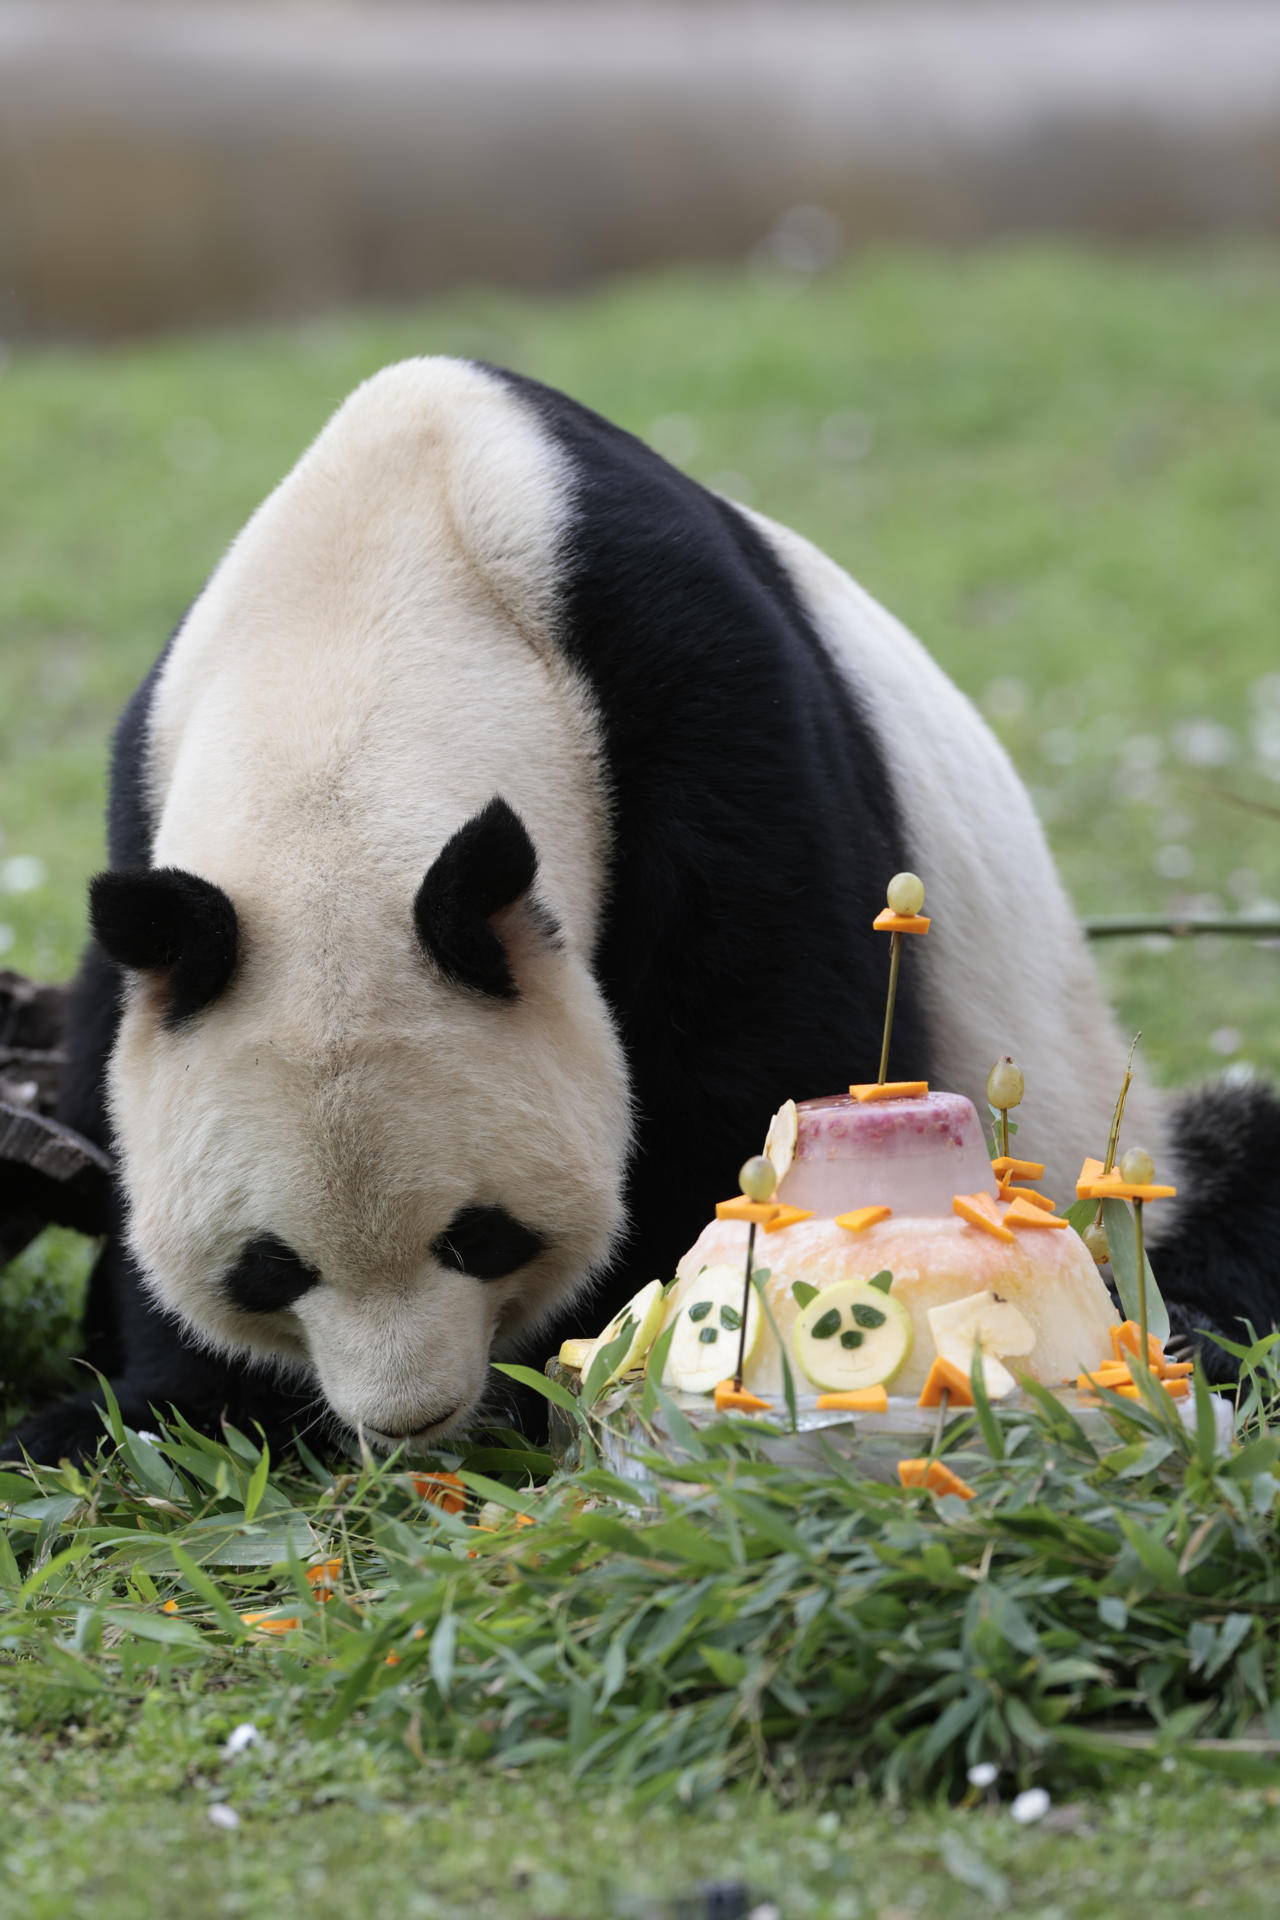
{"x":946,"y":1377}
{"x":855,"y":1400}
{"x":1007,"y":1168}
{"x":887,"y":921}
{"x":979,"y":1209}
{"x":736,"y":1399}
{"x":443,"y":1490}
{"x":866,"y":1090}
{"x":740,"y":1208}
{"x":862,"y":1217}
{"x":932,"y":1474}
{"x":787,"y":1217}
{"x":1021,"y":1214}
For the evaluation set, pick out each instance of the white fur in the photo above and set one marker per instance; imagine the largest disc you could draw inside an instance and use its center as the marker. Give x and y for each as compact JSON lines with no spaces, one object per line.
{"x":371,"y":663}
{"x":1004,"y":967}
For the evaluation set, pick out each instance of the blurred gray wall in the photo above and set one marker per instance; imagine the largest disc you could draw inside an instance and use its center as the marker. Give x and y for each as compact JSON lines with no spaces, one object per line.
{"x":189,"y":164}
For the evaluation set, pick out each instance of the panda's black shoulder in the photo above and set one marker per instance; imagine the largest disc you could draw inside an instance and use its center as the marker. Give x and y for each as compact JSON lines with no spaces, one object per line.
{"x":1218,"y":1265}
{"x":753,"y":814}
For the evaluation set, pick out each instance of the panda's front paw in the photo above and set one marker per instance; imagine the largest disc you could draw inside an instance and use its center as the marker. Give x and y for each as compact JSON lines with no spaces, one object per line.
{"x":70,"y":1429}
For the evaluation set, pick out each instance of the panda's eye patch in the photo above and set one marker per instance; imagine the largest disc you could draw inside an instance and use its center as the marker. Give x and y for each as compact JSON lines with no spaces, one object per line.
{"x":487,"y":1243}
{"x":268,"y":1277}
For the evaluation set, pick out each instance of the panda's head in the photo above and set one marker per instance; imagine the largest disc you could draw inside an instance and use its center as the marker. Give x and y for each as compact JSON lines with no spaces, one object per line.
{"x":370,"y":1129}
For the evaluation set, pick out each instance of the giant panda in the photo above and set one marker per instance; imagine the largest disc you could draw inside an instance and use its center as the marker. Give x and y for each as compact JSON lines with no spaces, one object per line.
{"x":494,"y":844}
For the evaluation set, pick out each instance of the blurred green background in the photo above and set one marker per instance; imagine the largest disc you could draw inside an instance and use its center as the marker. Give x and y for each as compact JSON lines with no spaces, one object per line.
{"x":1061,"y":468}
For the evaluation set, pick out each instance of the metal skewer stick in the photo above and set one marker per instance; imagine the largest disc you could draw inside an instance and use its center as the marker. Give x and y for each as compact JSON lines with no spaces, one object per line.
{"x":746,"y":1305}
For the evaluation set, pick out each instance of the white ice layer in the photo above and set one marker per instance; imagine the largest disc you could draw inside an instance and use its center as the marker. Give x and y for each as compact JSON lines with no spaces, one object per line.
{"x":911,"y":1155}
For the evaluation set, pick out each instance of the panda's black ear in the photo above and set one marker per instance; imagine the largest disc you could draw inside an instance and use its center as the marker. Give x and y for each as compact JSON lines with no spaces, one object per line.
{"x":160,"y":919}
{"x":490,"y":863}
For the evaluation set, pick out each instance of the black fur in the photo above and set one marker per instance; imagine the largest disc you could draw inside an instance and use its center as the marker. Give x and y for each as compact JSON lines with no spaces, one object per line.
{"x":160,"y":919}
{"x":487,"y":1243}
{"x":268,"y":1277}
{"x":1218,"y":1264}
{"x":488,"y":864}
{"x":754,"y":827}
{"x":754,"y":823}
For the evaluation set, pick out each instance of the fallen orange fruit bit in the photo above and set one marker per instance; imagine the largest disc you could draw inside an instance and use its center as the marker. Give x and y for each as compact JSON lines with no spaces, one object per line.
{"x":1007,"y":1168}
{"x":740,"y":1208}
{"x":887,"y":921}
{"x":863,"y":1217}
{"x":946,"y":1377}
{"x":170,"y":1606}
{"x":737,"y":1399}
{"x":933,"y":1475}
{"x":270,"y":1623}
{"x":1022,"y":1215}
{"x":979,"y":1210}
{"x":444,"y":1490}
{"x":1033,"y":1199}
{"x":787,"y":1217}
{"x":855,"y":1400}
{"x":890,"y":1090}
{"x":324,"y":1573}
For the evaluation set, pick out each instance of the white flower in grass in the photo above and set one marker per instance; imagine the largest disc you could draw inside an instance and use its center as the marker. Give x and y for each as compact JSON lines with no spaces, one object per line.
{"x":238,"y":1739}
{"x":1030,"y":1806}
{"x":983,"y":1774}
{"x":225,"y":1818}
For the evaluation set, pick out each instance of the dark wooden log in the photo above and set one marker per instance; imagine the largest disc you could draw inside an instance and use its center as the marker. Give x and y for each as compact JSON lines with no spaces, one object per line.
{"x":49,"y":1176}
{"x":32,"y":1014}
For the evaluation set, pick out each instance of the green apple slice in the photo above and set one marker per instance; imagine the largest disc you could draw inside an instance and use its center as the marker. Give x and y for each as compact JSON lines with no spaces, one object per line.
{"x":852,"y":1335}
{"x":704,"y":1346}
{"x":645,"y":1311}
{"x":985,"y":1321}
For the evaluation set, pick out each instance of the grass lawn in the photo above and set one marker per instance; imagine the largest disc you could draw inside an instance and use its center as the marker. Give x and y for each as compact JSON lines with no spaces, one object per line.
{"x":1062,"y":471}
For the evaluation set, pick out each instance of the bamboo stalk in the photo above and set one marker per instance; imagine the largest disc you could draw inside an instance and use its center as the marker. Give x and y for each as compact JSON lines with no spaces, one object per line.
{"x":1182,"y":927}
{"x":895,"y":961}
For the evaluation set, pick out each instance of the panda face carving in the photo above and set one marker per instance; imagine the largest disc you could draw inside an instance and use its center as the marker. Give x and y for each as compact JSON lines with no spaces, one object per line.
{"x":360,"y":1161}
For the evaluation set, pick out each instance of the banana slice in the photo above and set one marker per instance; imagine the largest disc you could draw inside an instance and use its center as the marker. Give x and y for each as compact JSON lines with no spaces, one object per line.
{"x":573,"y":1352}
{"x":780,"y":1141}
{"x":852,"y":1335}
{"x":704,"y":1346}
{"x":644,"y":1310}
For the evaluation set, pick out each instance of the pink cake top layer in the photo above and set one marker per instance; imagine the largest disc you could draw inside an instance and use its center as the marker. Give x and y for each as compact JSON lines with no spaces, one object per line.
{"x":911,"y":1155}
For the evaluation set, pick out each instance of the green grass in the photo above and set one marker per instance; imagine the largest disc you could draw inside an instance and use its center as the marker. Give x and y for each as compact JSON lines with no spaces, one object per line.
{"x":1062,"y":472}
{"x":748,"y":1677}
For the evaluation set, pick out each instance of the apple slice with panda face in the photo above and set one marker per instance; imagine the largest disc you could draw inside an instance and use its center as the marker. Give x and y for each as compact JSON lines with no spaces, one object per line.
{"x":704,"y":1346}
{"x":852,"y":1335}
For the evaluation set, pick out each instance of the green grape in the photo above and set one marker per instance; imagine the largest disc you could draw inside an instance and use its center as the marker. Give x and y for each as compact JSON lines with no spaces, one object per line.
{"x":1095,"y":1238}
{"x":1005,"y":1085}
{"x":905,"y":893}
{"x":1137,"y":1168}
{"x":758,"y":1177}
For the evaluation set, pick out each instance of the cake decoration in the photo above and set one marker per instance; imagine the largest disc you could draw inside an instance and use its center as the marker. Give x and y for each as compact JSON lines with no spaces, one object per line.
{"x":908,"y":1265}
